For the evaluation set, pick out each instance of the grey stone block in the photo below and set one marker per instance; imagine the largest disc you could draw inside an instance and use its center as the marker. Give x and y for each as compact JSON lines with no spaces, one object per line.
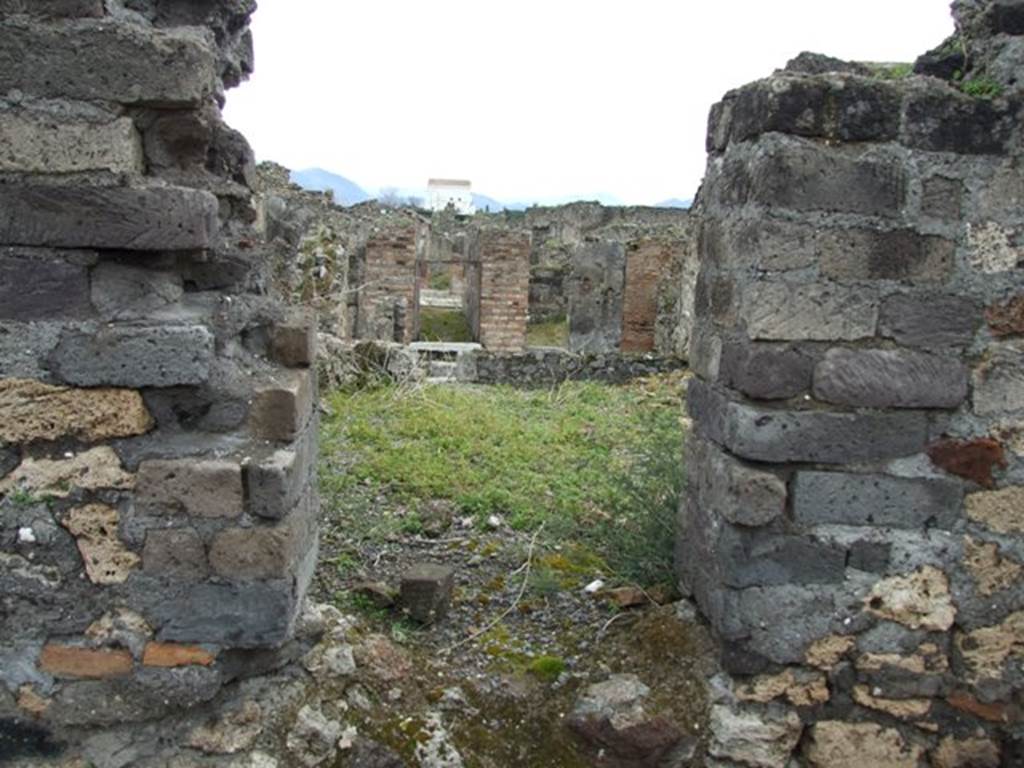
{"x":52,"y":9}
{"x":999,"y":380}
{"x":767,"y":371}
{"x":942,"y":198}
{"x":781,"y":436}
{"x":281,"y":408}
{"x":176,"y":553}
{"x":275,"y":483}
{"x":902,"y":254}
{"x":890,"y":378}
{"x":804,"y":176}
{"x":255,"y":615}
{"x":756,"y":559}
{"x":149,"y":694}
{"x":740,"y":493}
{"x":24,"y":347}
{"x":125,"y":356}
{"x":37,"y":145}
{"x":929,"y":320}
{"x":203,"y":488}
{"x":848,"y":499}
{"x":37,"y":286}
{"x":160,"y":218}
{"x":161,"y":68}
{"x":941,"y":119}
{"x":9,"y":459}
{"x":847,"y":108}
{"x":123,"y":291}
{"x":426,"y":591}
{"x":781,"y":311}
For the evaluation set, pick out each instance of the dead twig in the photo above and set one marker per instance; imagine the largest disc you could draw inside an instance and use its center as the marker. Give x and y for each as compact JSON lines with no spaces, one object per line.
{"x":497,"y":620}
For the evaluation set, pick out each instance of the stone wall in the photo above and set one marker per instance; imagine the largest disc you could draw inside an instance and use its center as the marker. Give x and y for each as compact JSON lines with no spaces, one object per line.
{"x":157,"y":431}
{"x":854,"y":527}
{"x":550,"y":367}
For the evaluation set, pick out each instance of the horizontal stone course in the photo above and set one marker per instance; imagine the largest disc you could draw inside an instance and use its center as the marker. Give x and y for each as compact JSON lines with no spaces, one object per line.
{"x":53,"y":9}
{"x":742,"y":494}
{"x":153,"y":219}
{"x":177,"y":553}
{"x":767,"y":371}
{"x":42,"y":286}
{"x":942,"y":119}
{"x":862,"y":254}
{"x":100,"y":61}
{"x":38,"y":145}
{"x":828,"y":437}
{"x":929,"y":320}
{"x":274,"y":484}
{"x":843,"y":498}
{"x":786,"y":311}
{"x":890,"y":378}
{"x":143,"y":356}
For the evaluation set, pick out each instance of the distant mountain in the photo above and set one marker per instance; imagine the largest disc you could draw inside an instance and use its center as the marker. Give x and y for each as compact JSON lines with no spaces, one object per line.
{"x":346,"y":192}
{"x":674,"y":202}
{"x":485,"y":203}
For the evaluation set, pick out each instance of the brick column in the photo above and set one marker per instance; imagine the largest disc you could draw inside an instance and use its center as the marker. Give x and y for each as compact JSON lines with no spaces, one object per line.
{"x":158,"y":441}
{"x":504,"y":259}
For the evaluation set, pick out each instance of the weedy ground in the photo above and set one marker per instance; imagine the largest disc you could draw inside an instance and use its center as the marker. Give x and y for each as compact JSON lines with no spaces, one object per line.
{"x":530,"y":496}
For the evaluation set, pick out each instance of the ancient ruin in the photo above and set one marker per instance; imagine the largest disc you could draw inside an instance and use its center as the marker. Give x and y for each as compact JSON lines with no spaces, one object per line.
{"x":848,"y":292}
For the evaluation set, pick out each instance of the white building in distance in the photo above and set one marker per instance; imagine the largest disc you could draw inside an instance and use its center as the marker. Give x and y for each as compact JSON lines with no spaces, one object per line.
{"x":455,"y":192}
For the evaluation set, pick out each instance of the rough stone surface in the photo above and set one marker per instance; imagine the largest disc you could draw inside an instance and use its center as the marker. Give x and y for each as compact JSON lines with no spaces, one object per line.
{"x":1006,"y":319}
{"x":792,"y":311}
{"x":135,"y":357}
{"x":800,"y":688}
{"x":96,"y":469}
{"x":867,"y":499}
{"x":930,"y":320}
{"x":836,"y":744}
{"x":313,"y":739}
{"x":990,"y":570}
{"x":128,"y":291}
{"x":205,"y":488}
{"x":234,"y":732}
{"x":31,"y":410}
{"x":95,"y":528}
{"x":426,"y":591}
{"x":41,"y":286}
{"x":975,"y":460}
{"x":878,"y":378}
{"x":776,"y":436}
{"x":742,"y":494}
{"x":763,"y":738}
{"x":178,"y":553}
{"x":1002,"y":511}
{"x":32,"y":145}
{"x":920,"y":600}
{"x":999,"y":381}
{"x":281,"y":410}
{"x":976,"y":752}
{"x":767,"y":371}
{"x":157,"y":219}
{"x":74,"y":61}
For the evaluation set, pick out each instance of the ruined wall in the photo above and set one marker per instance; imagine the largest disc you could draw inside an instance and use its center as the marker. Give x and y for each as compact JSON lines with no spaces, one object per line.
{"x":647,"y":263}
{"x":595,"y":288}
{"x":157,"y":438}
{"x":504,"y":258}
{"x":854,"y":527}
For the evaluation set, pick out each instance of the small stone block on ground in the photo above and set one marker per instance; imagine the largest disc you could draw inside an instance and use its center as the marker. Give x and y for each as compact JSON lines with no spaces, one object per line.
{"x":426,"y":591}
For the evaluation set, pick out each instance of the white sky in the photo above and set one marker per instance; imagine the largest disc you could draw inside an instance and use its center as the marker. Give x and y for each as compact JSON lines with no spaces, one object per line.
{"x":535,"y":99}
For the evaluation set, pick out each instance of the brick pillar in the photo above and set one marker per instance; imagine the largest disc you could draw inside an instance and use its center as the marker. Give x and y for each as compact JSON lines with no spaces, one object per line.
{"x":648,"y":263}
{"x":388,"y":296}
{"x":854,"y":526}
{"x":158,"y":441}
{"x":504,"y":288}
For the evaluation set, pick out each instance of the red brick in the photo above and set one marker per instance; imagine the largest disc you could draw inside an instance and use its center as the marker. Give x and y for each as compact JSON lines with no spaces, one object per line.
{"x":174,"y":655}
{"x":972,"y":459}
{"x":70,"y":661}
{"x":1006,"y":319}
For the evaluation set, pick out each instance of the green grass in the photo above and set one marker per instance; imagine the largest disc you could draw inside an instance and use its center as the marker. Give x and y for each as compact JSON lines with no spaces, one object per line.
{"x":891,"y":71}
{"x":444,"y":325}
{"x":553,"y":333}
{"x":982,"y":88}
{"x":599,"y":466}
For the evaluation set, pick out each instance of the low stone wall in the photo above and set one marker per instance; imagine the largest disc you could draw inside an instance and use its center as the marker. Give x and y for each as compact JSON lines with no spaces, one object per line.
{"x":854,"y":527}
{"x":548,"y":367}
{"x":158,"y":505}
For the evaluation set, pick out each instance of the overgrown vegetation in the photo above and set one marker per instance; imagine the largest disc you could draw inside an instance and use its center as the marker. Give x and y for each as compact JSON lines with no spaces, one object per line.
{"x":551,"y":333}
{"x":438,"y":324}
{"x":598,"y":466}
{"x":899,"y":71}
{"x":981,"y":88}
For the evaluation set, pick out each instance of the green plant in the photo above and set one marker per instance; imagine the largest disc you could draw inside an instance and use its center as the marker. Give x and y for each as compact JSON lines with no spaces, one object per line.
{"x":982,"y":88}
{"x":899,"y":71}
{"x":547,"y":668}
{"x":22,"y":497}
